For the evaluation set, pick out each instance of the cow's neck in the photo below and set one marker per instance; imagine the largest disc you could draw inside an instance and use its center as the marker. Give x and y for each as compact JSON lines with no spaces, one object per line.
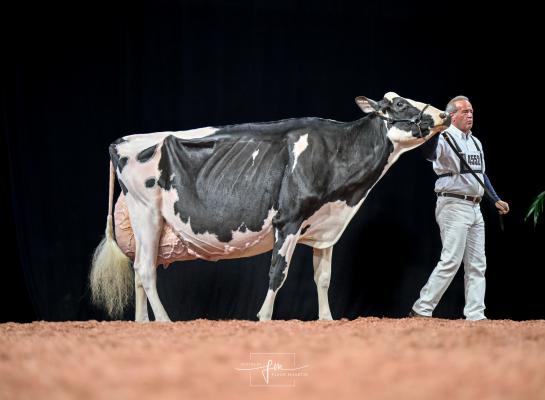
{"x":370,"y":154}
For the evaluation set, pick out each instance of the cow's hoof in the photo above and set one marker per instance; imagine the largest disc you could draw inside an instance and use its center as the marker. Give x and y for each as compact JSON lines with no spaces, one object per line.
{"x":141,"y":317}
{"x":264,"y":317}
{"x":326,"y":318}
{"x":164,"y":319}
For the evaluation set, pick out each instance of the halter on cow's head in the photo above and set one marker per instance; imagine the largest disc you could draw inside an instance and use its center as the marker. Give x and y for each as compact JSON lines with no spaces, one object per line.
{"x":409,"y":122}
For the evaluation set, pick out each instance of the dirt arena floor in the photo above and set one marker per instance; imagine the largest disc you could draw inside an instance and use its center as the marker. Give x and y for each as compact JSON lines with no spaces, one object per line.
{"x":368,"y":358}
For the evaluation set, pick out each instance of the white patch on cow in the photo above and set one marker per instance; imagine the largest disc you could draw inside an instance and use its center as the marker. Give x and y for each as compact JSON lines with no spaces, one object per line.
{"x":391,"y":95}
{"x":158,"y":136}
{"x":288,"y":246}
{"x":207,"y":246}
{"x":403,"y":141}
{"x":135,"y":173}
{"x":254,"y":155}
{"x":265,"y":313}
{"x":417,"y":104}
{"x":298,"y":148}
{"x":136,"y":143}
{"x":328,"y":223}
{"x":401,"y":137}
{"x":253,"y":240}
{"x":321,"y":262}
{"x":195,"y":133}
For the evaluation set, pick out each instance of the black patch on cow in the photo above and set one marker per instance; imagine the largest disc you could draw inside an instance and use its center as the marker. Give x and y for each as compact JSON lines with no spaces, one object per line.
{"x":201,"y":144}
{"x":119,"y":141}
{"x":119,"y":163}
{"x":219,"y":184}
{"x":277,"y":272}
{"x":150,"y":182}
{"x":122,"y":162}
{"x":338,"y":164}
{"x":123,"y":187}
{"x":147,"y":154}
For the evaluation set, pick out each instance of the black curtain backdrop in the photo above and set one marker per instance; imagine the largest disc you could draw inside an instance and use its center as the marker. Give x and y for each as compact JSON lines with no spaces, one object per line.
{"x":77,"y":76}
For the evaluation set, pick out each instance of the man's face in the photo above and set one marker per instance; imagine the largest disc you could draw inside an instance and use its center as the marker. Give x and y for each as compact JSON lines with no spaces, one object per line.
{"x":463,"y":117}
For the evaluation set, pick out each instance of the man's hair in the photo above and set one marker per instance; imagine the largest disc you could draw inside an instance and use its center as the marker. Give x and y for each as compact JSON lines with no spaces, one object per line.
{"x":451,"y":106}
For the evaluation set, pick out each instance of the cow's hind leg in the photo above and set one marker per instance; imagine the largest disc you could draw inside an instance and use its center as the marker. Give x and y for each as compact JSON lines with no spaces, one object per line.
{"x":285,"y":241}
{"x":141,"y":314}
{"x":147,"y":225}
{"x":321,"y":261}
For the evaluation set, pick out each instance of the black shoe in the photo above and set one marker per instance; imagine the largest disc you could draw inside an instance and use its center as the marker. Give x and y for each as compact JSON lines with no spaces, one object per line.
{"x":414,"y":314}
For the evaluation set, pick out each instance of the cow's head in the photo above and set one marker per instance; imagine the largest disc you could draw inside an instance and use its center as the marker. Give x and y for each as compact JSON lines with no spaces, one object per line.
{"x":409,"y":122}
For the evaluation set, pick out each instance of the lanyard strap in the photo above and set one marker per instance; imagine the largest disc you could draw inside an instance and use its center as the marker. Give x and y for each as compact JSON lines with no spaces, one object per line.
{"x":466,"y":165}
{"x":464,"y":162}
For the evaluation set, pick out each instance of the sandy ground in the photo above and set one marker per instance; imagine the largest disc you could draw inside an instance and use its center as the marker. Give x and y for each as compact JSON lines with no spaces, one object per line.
{"x":367,"y":358}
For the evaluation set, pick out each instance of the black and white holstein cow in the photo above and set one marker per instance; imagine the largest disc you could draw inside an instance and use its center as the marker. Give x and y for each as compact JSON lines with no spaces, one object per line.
{"x":241,"y":190}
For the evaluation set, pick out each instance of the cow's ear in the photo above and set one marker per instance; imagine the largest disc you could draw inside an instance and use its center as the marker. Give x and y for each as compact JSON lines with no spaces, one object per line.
{"x":367,"y":105}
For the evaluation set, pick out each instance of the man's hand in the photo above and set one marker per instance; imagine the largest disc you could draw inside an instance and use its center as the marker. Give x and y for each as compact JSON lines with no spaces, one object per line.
{"x":502,"y":206}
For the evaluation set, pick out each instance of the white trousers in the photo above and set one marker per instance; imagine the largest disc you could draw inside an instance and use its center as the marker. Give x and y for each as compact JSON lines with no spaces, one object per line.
{"x":462,"y":233}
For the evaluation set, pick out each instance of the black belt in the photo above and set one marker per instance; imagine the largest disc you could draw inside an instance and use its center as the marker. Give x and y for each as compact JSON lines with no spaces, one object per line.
{"x":474,"y":199}
{"x":478,"y":171}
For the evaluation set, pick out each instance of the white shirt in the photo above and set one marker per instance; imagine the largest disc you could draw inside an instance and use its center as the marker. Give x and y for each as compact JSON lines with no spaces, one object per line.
{"x":448,"y":161}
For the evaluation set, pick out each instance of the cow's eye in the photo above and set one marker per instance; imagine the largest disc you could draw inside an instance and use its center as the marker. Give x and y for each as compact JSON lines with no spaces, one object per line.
{"x":399,"y":104}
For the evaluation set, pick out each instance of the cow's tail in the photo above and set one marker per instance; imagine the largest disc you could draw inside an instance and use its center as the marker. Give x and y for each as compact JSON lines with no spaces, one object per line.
{"x":111,"y":277}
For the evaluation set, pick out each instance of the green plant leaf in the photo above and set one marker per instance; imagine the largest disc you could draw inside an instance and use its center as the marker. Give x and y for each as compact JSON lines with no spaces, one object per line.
{"x":536,"y":208}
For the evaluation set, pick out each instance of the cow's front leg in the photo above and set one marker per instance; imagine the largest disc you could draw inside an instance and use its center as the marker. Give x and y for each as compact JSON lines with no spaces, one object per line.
{"x":285,"y":241}
{"x":321,"y":261}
